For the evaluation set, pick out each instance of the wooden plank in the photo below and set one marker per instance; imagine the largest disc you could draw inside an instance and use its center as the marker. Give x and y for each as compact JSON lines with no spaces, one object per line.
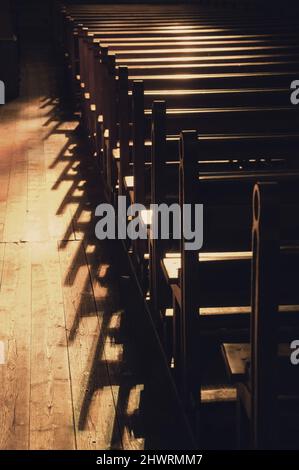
{"x":48,"y":213}
{"x":82,"y":216}
{"x":6,"y":157}
{"x":60,"y":223}
{"x":123,"y":358}
{"x":58,"y":156}
{"x":17,"y":191}
{"x":5,"y":164}
{"x":36,"y":228}
{"x":157,"y":421}
{"x":51,"y":414}
{"x":141,"y":422}
{"x":218,"y":394}
{"x":2,"y":251}
{"x":127,"y":389}
{"x":93,"y":397}
{"x":237,"y":358}
{"x":15,"y":331}
{"x":31,"y":129}
{"x":83,"y":206}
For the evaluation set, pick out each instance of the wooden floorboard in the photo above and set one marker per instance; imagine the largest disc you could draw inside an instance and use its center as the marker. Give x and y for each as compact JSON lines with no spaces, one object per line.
{"x":5,"y":166}
{"x":51,"y":412}
{"x":2,"y":251}
{"x":16,"y":198}
{"x":94,"y":409}
{"x":15,"y":331}
{"x":74,"y":374}
{"x":58,"y":159}
{"x":36,"y":405}
{"x":119,"y":349}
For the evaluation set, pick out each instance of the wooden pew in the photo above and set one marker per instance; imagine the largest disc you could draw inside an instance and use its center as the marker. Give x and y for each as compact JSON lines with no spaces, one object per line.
{"x":213,"y":281}
{"x":218,"y":120}
{"x":148,"y":69}
{"x":113,"y":100}
{"x":92,"y":130}
{"x":177,"y":100}
{"x":227,"y":54}
{"x":182,"y":104}
{"x":109,"y":164}
{"x":238,"y":156}
{"x":192,"y":82}
{"x":268,"y":392}
{"x":227,"y":117}
{"x":124,"y":166}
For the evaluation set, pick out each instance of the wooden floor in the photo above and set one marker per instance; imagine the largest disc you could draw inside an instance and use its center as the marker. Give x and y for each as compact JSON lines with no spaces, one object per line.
{"x":74,"y":376}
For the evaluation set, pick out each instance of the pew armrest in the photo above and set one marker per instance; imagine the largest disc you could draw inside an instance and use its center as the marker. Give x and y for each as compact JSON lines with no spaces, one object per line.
{"x":116,"y":153}
{"x":236,"y":357}
{"x":129,"y":182}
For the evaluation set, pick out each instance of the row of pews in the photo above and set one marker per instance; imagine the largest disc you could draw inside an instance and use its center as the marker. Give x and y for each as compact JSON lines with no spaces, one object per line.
{"x":185,"y":104}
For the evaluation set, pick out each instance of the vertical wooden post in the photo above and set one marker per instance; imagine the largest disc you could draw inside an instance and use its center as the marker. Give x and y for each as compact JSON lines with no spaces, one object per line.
{"x":90,"y":59}
{"x":71,"y":46}
{"x":83,"y":75}
{"x":138,"y":123}
{"x":123,"y":126}
{"x":138,"y":141}
{"x":190,"y":361}
{"x":92,"y":86}
{"x":100,"y":58}
{"x":264,"y":318}
{"x":158,"y":156}
{"x":85,"y":57}
{"x":111,"y":123}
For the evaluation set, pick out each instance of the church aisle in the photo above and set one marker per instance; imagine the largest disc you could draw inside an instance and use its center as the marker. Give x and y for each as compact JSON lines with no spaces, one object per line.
{"x":74,"y":377}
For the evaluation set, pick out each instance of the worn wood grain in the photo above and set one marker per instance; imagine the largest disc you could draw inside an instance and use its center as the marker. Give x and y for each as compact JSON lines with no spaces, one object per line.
{"x":51,"y":417}
{"x":94,"y":407}
{"x":15,"y":331}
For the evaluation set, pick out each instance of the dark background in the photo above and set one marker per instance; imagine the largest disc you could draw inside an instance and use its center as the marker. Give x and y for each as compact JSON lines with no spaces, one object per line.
{"x":37,"y":15}
{"x":33,"y":19}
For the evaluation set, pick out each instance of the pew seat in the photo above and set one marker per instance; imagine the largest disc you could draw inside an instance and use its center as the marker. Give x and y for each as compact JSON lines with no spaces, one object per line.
{"x":237,"y":355}
{"x":171,"y":264}
{"x":224,"y":393}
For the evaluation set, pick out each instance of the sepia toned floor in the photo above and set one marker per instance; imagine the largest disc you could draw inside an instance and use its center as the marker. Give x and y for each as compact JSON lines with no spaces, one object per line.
{"x":74,"y":375}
